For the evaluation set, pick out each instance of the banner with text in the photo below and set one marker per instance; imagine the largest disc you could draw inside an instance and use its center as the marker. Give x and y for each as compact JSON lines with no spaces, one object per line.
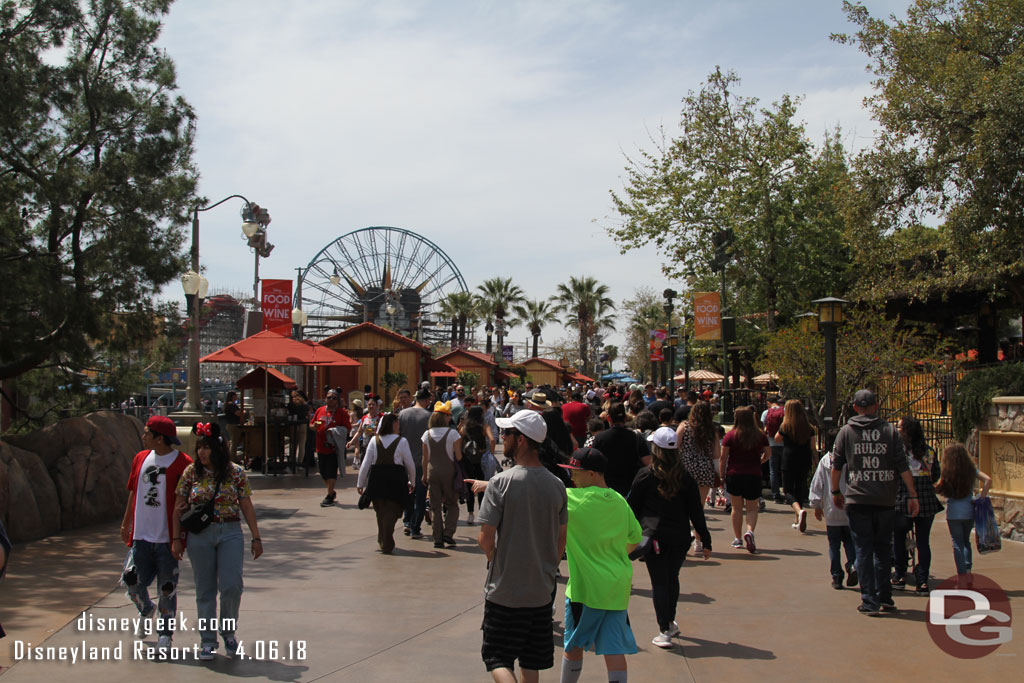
{"x":657,"y":345}
{"x":707,"y":316}
{"x":276,"y":303}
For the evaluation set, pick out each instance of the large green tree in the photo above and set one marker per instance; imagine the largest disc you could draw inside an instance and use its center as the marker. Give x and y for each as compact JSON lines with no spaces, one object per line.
{"x":735,"y":165}
{"x":588,"y":308}
{"x":950,"y":101}
{"x":96,"y":178}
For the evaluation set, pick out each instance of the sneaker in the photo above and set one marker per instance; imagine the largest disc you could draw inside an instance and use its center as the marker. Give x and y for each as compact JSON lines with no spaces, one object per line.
{"x":663,"y":640}
{"x":416,"y":535}
{"x":837,"y":583}
{"x":326,"y":502}
{"x":438,"y":544}
{"x":851,"y":577}
{"x":230,"y":646}
{"x":673,"y":629}
{"x":868,"y":610}
{"x":887,"y":605}
{"x":143,"y":627}
{"x":206,"y":653}
{"x":737,"y":543}
{"x":469,"y":519}
{"x":802,"y":522}
{"x":163,"y":642}
{"x":761,"y":505}
{"x":449,"y":541}
{"x":748,"y":539}
{"x":407,"y":531}
{"x":898,"y":583}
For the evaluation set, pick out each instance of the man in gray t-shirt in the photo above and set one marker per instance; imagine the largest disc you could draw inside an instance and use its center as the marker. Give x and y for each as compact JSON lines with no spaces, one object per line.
{"x":523,"y":522}
{"x":412,"y":422}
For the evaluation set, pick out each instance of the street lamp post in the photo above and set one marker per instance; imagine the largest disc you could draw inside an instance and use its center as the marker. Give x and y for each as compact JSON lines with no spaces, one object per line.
{"x":670,"y":355}
{"x":195,"y":287}
{"x":830,"y":317}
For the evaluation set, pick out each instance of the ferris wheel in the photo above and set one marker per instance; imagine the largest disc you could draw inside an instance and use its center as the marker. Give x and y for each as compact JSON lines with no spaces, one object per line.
{"x":388,"y":276}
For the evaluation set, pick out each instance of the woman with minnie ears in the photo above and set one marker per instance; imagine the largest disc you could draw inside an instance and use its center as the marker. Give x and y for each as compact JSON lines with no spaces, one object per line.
{"x":216,"y":552}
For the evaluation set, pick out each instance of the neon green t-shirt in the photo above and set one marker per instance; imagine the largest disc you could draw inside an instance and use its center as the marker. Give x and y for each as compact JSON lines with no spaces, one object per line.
{"x":601,"y":524}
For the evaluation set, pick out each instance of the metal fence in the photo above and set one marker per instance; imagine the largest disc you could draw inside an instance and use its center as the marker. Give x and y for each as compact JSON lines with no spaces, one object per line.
{"x":926,"y":396}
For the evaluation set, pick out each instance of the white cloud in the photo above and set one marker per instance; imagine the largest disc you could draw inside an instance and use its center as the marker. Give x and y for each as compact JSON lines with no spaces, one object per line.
{"x":495,"y":129}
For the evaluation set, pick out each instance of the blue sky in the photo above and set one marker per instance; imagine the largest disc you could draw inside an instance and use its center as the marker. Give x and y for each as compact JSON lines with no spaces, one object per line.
{"x":494,"y":129}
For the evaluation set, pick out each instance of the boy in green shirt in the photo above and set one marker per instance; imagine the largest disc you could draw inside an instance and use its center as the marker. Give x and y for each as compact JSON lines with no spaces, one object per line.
{"x":602,"y":531}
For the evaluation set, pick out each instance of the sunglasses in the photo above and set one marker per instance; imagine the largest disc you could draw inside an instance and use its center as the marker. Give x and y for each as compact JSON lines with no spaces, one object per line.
{"x":509,"y":432}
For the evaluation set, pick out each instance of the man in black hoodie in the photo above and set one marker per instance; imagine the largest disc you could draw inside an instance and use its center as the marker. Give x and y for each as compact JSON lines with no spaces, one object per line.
{"x":872,"y":451}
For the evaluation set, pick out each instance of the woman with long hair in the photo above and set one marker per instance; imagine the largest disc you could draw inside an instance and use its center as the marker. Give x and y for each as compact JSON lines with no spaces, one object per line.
{"x":959,"y":476}
{"x":699,"y":447}
{"x":477,"y":439}
{"x":744,"y":450}
{"x":514,"y":404}
{"x":388,"y":472}
{"x":442,"y":446}
{"x":923,"y":467}
{"x":216,"y":552}
{"x":665,"y":491}
{"x":798,"y":454}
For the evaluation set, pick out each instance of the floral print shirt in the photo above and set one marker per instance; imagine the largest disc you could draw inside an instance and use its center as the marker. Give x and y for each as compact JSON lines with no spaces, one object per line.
{"x":199,"y":490}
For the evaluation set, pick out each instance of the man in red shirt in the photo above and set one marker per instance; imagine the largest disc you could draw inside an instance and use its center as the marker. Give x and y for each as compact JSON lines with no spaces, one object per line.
{"x":325,"y":419}
{"x":576,"y":413}
{"x":146,"y":526}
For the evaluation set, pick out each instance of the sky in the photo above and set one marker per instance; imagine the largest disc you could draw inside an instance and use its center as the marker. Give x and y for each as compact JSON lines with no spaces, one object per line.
{"x":494,"y":129}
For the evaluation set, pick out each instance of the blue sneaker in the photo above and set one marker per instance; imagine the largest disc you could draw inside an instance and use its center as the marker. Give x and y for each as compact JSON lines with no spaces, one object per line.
{"x":230,"y":646}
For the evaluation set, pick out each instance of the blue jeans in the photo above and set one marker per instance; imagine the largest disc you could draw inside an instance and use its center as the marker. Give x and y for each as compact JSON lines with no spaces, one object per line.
{"x":775,"y":470}
{"x":416,"y":508}
{"x":840,"y":535}
{"x":872,"y":539}
{"x":154,"y":560}
{"x":922,"y":529}
{"x":216,"y":554}
{"x":960,"y":531}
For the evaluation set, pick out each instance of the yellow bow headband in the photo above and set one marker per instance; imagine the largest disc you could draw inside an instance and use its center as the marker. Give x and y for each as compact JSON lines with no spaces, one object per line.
{"x":445,"y":407}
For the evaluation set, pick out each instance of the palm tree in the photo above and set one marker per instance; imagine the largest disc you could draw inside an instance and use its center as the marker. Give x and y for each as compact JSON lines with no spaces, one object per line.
{"x":588,"y":306}
{"x":535,"y":315}
{"x":461,"y":308}
{"x":500,"y":294}
{"x":485,"y":309}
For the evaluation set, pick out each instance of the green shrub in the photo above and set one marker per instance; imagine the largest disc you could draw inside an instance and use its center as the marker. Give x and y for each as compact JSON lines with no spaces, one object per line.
{"x":975,"y":392}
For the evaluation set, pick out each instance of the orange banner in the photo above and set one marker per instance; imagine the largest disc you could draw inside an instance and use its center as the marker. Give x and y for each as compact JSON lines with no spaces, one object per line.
{"x":707,"y":316}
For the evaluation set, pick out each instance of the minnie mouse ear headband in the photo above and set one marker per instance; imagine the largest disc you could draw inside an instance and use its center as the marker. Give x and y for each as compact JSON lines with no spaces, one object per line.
{"x":445,"y":407}
{"x":207,"y":429}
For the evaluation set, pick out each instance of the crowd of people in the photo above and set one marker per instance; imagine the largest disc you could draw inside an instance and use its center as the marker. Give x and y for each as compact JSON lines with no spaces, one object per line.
{"x":600,"y":476}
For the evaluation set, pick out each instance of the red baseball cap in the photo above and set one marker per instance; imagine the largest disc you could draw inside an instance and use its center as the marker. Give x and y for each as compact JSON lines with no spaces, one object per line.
{"x":158,"y":424}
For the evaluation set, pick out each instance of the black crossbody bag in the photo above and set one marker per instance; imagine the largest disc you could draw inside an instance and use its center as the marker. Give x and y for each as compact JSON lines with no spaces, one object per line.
{"x":199,"y":517}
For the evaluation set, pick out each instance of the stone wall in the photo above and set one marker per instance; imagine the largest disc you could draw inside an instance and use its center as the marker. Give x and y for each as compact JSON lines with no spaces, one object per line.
{"x":68,"y":475}
{"x":1006,"y":414}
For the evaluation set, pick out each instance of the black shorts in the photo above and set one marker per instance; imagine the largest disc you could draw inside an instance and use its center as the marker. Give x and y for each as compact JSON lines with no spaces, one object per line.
{"x":522,"y":633}
{"x":328,"y":465}
{"x":747,"y":486}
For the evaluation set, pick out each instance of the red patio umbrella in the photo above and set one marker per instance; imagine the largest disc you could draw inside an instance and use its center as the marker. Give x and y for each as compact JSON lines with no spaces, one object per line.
{"x":270,"y":348}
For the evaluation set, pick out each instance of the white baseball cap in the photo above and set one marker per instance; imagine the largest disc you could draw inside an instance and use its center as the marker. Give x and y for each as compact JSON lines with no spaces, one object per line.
{"x":529,"y":423}
{"x":663,"y":437}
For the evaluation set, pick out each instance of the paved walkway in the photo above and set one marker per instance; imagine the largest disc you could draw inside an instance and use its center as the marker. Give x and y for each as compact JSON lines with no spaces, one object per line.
{"x":323,"y":605}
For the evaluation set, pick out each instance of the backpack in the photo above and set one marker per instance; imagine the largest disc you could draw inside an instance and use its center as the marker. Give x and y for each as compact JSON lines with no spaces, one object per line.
{"x":773,"y":420}
{"x":471,"y":451}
